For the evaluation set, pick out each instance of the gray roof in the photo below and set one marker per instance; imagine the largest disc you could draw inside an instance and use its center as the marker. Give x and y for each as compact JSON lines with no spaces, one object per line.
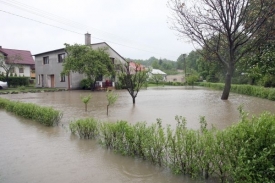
{"x":157,"y":71}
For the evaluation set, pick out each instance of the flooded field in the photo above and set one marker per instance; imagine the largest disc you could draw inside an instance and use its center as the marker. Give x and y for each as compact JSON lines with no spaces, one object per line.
{"x":30,"y":152}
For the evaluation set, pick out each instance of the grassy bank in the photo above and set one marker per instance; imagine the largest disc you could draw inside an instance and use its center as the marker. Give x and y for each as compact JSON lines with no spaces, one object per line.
{"x":44,"y":115}
{"x":28,"y":89}
{"x":244,"y":152}
{"x":256,"y":91}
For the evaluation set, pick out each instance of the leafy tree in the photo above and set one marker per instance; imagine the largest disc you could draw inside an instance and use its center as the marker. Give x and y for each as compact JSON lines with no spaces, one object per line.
{"x":192,"y":79}
{"x":156,"y":65}
{"x":85,"y":60}
{"x":9,"y":64}
{"x":181,"y":64}
{"x":156,"y":78}
{"x":260,"y":63}
{"x":225,"y":28}
{"x":132,"y":81}
{"x":192,"y":60}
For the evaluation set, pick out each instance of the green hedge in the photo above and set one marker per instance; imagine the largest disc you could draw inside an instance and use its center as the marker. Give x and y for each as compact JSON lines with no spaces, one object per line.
{"x":242,"y":153}
{"x":44,"y":115}
{"x":16,"y":81}
{"x":256,"y":91}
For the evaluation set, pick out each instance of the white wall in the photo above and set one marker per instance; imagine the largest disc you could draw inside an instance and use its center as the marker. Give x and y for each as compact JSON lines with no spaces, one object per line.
{"x":26,"y":68}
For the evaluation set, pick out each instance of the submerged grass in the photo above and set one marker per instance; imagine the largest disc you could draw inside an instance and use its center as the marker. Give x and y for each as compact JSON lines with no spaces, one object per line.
{"x":244,"y":152}
{"x":44,"y":115}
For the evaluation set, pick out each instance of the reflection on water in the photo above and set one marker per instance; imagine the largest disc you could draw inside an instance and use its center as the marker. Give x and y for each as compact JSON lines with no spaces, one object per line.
{"x":30,"y":152}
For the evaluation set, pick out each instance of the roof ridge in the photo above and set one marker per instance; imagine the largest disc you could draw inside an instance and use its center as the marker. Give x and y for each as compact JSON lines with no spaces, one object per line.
{"x":14,"y":49}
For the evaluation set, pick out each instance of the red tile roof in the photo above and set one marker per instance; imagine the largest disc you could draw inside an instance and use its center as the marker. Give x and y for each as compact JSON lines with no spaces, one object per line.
{"x":137,"y":66}
{"x":25,"y":56}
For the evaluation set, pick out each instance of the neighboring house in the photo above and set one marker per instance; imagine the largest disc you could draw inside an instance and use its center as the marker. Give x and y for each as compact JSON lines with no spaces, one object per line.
{"x":157,"y":72}
{"x":48,"y":67}
{"x":175,"y":78}
{"x":22,"y":60}
{"x":135,"y":66}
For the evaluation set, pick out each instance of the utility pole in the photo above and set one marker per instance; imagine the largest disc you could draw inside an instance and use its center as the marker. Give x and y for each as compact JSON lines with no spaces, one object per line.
{"x":184,"y":62}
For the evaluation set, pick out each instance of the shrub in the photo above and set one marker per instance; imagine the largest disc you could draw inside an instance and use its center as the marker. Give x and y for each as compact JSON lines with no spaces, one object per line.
{"x":244,"y":152}
{"x":257,"y":91}
{"x":271,"y":95}
{"x":85,"y":128}
{"x":86,"y":84}
{"x":44,"y":115}
{"x":3,"y":103}
{"x":18,"y":81}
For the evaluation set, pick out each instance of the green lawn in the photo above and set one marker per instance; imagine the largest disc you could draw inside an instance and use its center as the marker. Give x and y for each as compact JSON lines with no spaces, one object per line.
{"x":27,"y":89}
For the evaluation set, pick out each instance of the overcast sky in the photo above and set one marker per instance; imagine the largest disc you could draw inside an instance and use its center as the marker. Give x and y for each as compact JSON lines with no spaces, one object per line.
{"x":136,"y":29}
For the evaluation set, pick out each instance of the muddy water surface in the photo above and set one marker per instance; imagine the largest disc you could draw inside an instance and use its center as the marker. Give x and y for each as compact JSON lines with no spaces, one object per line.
{"x":30,"y":152}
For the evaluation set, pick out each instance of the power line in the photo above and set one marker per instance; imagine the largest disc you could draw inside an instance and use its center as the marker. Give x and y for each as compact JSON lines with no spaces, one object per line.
{"x":39,"y":22}
{"x":75,"y":32}
{"x":62,"y":20}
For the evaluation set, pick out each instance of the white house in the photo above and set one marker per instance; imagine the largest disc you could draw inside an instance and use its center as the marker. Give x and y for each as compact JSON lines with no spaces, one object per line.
{"x":21,"y":59}
{"x":158,"y":73}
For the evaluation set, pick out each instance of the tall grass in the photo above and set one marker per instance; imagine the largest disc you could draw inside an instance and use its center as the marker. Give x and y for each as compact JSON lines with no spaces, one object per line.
{"x":44,"y":115}
{"x":244,"y":152}
{"x":256,"y":91}
{"x":85,"y":128}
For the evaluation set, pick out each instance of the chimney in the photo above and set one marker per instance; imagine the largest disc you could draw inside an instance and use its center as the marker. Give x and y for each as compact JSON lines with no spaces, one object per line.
{"x":87,"y":39}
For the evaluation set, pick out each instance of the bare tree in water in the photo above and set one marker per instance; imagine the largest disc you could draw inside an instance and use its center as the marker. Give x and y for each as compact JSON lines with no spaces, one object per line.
{"x":228,"y":29}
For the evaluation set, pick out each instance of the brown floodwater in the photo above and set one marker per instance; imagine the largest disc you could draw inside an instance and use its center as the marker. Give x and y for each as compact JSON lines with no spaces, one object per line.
{"x":31,"y":152}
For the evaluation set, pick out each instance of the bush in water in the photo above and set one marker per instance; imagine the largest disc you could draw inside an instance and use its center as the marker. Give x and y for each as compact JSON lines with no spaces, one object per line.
{"x":244,"y":152}
{"x":45,"y":115}
{"x":85,"y":128}
{"x":3,"y":103}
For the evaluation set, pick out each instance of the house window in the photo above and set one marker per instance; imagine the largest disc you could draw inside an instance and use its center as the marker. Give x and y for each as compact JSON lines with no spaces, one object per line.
{"x":21,"y":70}
{"x":62,"y":77}
{"x":38,"y":80}
{"x":112,"y":60}
{"x":61,"y":57}
{"x":45,"y":60}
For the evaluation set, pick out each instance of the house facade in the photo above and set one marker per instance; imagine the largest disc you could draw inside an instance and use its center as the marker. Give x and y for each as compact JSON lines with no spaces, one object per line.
{"x":49,"y":65}
{"x":20,"y":61}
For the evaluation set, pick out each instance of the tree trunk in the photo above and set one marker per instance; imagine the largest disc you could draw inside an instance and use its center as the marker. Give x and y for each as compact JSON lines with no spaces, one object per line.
{"x":134,"y":100}
{"x":227,"y":86}
{"x":93,"y":85}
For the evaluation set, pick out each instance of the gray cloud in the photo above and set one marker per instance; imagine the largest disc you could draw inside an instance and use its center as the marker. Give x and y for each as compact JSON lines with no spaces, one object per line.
{"x":136,"y":29}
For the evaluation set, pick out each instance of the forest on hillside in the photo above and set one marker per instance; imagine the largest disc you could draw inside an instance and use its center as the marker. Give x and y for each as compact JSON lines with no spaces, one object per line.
{"x":256,"y":68}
